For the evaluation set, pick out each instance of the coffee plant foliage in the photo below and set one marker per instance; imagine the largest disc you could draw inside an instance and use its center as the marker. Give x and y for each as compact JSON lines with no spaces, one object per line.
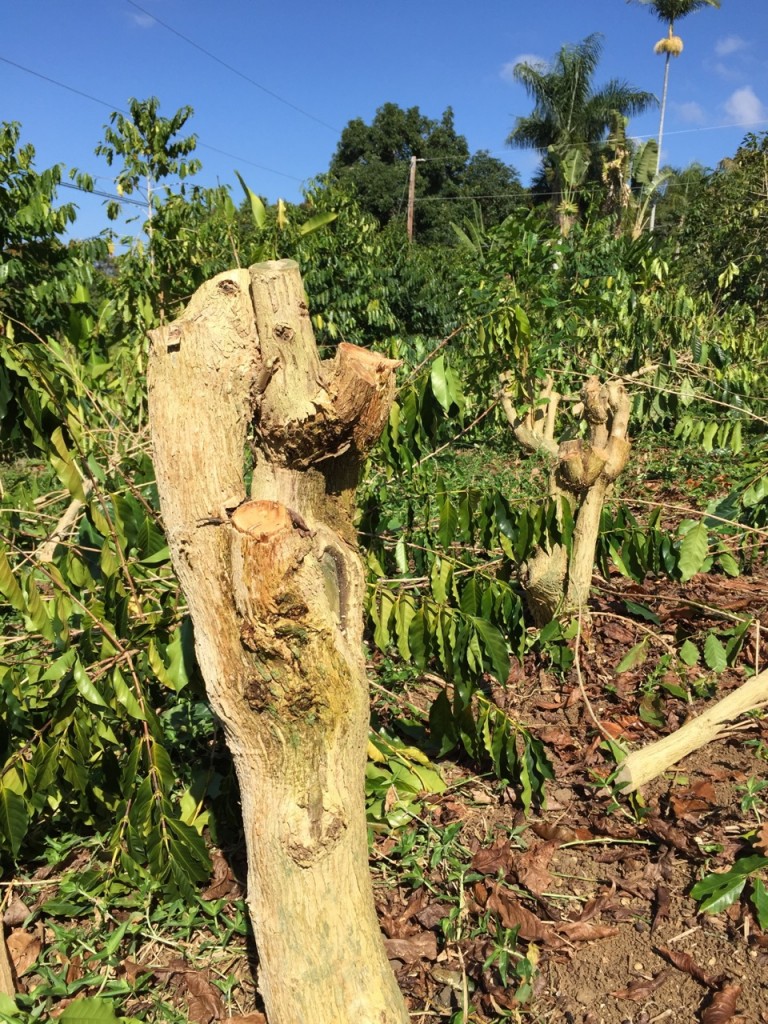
{"x":104,"y":727}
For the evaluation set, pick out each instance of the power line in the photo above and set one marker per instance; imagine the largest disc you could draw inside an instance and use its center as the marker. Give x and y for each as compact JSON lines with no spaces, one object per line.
{"x":114,"y":107}
{"x":62,"y":85}
{"x":100,"y":192}
{"x":229,"y":67}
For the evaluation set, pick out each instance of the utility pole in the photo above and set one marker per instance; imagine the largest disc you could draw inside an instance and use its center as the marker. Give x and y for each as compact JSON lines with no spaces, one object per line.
{"x":412,"y":194}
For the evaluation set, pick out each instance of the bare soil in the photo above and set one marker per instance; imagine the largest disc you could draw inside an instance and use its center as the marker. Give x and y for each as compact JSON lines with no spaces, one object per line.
{"x":599,"y":888}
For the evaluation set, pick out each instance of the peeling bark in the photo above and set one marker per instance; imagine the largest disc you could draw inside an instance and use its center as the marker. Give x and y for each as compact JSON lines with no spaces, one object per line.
{"x":583,"y":475}
{"x":275,"y":585}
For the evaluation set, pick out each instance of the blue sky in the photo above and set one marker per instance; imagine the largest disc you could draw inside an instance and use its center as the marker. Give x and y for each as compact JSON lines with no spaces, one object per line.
{"x":303,"y":70}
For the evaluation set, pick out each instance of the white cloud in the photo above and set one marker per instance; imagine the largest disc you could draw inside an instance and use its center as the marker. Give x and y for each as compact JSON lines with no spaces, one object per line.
{"x":745,"y":107}
{"x":691,"y":112}
{"x":522,"y":58}
{"x":728,"y":45}
{"x":143,"y":20}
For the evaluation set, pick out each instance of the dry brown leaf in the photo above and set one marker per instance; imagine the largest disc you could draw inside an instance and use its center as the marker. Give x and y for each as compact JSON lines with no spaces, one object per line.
{"x":599,"y":905}
{"x":74,"y":969}
{"x":723,"y":1005}
{"x":494,"y":859}
{"x":204,"y":1002}
{"x":248,"y":1018}
{"x":7,"y":984}
{"x":556,"y":737}
{"x":23,"y":949}
{"x":662,"y":906}
{"x":696,"y":800}
{"x":531,"y":867}
{"x":615,"y":631}
{"x":400,"y":926}
{"x":674,"y":836}
{"x":418,"y":947}
{"x":15,"y":913}
{"x":223,"y":883}
{"x":761,"y":840}
{"x":133,"y":971}
{"x":433,"y":914}
{"x":560,"y":833}
{"x":583,"y":931}
{"x":513,"y":915}
{"x":641,"y":989}
{"x":685,"y":962}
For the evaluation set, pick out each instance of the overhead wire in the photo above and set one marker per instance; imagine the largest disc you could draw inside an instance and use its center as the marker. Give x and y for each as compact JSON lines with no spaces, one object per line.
{"x":232,"y":68}
{"x":117,"y":109}
{"x":101,"y":192}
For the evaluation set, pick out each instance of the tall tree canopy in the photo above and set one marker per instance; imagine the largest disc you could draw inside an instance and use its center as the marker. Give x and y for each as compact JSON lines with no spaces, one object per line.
{"x":376,"y":157}
{"x":571,"y":116}
{"x":670,"y":11}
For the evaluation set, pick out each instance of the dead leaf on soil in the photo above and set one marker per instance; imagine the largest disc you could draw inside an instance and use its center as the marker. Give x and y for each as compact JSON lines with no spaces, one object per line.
{"x":615,"y":631}
{"x":433,"y":914}
{"x":132,"y":971}
{"x":400,"y":926}
{"x":674,"y":836}
{"x":723,"y":1005}
{"x":685,"y":962}
{"x":223,"y":883}
{"x":662,"y":906}
{"x":599,"y":905}
{"x":641,"y":989}
{"x":204,"y":1003}
{"x":74,"y":970}
{"x":23,"y":949}
{"x":560,"y":739}
{"x":204,"y":1000}
{"x":761,"y":840}
{"x":627,"y":726}
{"x":696,"y":800}
{"x":513,"y":915}
{"x":583,"y":931}
{"x":532,"y":867}
{"x":15,"y":913}
{"x":560,"y":833}
{"x":248,"y":1018}
{"x":418,"y":947}
{"x":494,"y":859}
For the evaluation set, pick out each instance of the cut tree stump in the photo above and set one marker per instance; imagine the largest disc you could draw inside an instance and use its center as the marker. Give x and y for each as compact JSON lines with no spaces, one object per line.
{"x":582,"y":475}
{"x":275,"y":585}
{"x":641,"y":766}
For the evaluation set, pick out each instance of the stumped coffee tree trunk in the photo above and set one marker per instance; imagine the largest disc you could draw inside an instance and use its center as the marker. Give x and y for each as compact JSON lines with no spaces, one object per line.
{"x":583,"y":474}
{"x":275,"y":587}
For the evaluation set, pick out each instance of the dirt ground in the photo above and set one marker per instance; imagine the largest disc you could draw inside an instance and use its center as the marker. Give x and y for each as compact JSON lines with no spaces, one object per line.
{"x":599,"y":890}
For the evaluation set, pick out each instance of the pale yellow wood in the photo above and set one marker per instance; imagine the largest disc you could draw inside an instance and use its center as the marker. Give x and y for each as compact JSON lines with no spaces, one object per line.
{"x":641,"y":766}
{"x":274,"y":584}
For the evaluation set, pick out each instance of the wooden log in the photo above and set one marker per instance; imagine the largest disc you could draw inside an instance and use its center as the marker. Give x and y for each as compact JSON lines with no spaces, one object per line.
{"x":641,"y":766}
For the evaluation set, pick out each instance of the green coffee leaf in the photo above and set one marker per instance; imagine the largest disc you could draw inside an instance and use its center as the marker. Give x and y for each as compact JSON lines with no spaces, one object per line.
{"x":760,"y":902}
{"x":689,"y":653}
{"x":635,"y":656}
{"x":14,"y":819}
{"x":90,"y":1010}
{"x":494,"y":645}
{"x":694,"y":548}
{"x":714,"y":654}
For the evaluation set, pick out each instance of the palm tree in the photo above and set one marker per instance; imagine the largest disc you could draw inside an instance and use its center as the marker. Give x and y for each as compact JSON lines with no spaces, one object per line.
{"x":669,"y":11}
{"x":571,"y":117}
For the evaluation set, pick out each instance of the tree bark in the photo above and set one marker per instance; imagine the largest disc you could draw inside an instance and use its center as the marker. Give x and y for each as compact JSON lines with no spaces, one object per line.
{"x":275,"y":586}
{"x":648,"y":762}
{"x":582,"y":475}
